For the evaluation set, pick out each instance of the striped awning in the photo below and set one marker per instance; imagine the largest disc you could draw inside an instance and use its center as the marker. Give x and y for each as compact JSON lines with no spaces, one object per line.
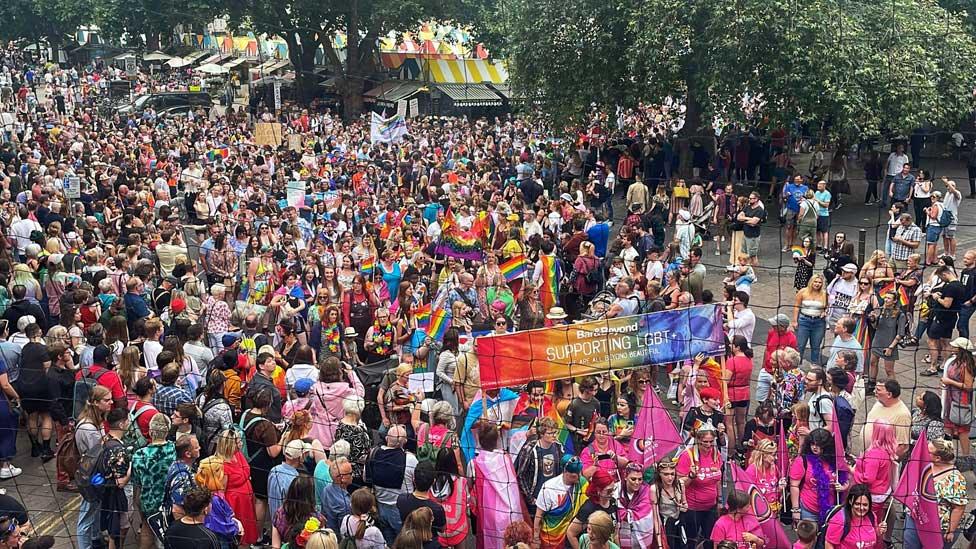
{"x":391,"y":91}
{"x":471,"y":95}
{"x":467,"y":71}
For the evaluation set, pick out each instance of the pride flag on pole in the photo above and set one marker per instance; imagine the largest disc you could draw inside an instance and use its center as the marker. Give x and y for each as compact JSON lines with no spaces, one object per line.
{"x":916,"y":491}
{"x":655,"y":435}
{"x":439,"y":321}
{"x":422,"y":314}
{"x":759,"y":507}
{"x":367,"y":266}
{"x":549,"y":288}
{"x":514,"y":267}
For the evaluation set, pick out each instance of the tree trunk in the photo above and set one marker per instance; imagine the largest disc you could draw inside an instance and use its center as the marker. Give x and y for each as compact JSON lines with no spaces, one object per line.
{"x":351,"y":91}
{"x":152,"y":41}
{"x":301,"y":53}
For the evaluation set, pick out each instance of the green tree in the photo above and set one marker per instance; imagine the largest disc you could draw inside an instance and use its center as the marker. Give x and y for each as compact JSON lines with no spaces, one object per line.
{"x":862,"y":66}
{"x":306,"y":25}
{"x":148,"y":22}
{"x":33,"y":20}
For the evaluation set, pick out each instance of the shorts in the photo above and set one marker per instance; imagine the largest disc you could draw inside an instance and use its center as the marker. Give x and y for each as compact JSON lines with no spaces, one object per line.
{"x":791,"y":218}
{"x":741,"y":403}
{"x":939,"y":329}
{"x":750,"y":246}
{"x":932,"y":233}
{"x":722,"y":228}
{"x":950,"y":231}
{"x":823,"y":223}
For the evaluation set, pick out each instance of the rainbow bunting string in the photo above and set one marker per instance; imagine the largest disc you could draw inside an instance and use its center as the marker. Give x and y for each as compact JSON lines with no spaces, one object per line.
{"x":514,"y":267}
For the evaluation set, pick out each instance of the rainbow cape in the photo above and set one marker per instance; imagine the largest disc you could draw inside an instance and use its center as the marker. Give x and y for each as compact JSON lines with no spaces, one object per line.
{"x":514,"y":267}
{"x":457,"y":243}
{"x":548,"y":410}
{"x":549,"y":287}
{"x":556,"y":522}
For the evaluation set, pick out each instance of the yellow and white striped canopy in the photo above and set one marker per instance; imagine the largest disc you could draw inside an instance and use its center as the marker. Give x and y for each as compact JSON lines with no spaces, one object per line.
{"x":467,"y":71}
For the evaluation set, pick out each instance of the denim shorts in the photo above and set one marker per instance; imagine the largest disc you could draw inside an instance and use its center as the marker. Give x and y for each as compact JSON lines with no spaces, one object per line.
{"x":932,"y":233}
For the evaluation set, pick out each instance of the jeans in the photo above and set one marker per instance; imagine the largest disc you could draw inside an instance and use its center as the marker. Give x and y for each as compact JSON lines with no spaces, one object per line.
{"x":762,"y":388}
{"x":912,"y":541}
{"x":965,"y":313}
{"x":89,"y":526}
{"x":806,"y":514}
{"x":389,"y":523}
{"x":215,"y":342}
{"x":810,"y":330}
{"x":920,"y":328}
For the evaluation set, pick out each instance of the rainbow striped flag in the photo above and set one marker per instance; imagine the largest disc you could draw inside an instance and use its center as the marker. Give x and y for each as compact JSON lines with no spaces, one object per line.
{"x":439,"y":321}
{"x":556,"y":522}
{"x":549,"y":288}
{"x":367,"y":266}
{"x":514,"y":267}
{"x":889,"y":287}
{"x":422,"y":314}
{"x":903,"y":296}
{"x":219,"y":152}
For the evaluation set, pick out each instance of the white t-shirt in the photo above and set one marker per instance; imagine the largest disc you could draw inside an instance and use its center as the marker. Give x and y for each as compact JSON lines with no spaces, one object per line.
{"x":896,"y":162}
{"x":743,"y":323}
{"x":553,"y":493}
{"x":151,"y":350}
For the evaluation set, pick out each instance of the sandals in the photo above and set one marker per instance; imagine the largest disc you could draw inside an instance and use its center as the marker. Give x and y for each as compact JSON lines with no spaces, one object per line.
{"x":929,"y":372}
{"x":927,"y":359}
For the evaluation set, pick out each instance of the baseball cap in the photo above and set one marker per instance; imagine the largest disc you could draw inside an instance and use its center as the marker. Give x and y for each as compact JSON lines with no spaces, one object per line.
{"x":295,"y":449}
{"x":229,"y":339}
{"x":101,"y":354}
{"x":303,"y":386}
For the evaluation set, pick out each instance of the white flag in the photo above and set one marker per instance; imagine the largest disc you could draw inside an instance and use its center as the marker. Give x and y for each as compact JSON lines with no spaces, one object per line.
{"x":389,"y":130}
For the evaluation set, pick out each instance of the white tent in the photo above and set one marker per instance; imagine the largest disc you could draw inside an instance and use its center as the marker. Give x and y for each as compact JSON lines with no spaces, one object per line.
{"x":157,"y":56}
{"x":178,"y":62}
{"x":211,"y":68}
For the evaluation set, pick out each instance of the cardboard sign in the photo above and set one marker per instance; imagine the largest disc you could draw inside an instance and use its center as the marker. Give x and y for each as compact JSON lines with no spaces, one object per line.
{"x":295,"y":142}
{"x":72,"y":187}
{"x":267,"y":133}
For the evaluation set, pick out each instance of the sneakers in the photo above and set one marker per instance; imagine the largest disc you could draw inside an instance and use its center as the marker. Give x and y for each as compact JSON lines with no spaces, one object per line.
{"x":9,"y":472}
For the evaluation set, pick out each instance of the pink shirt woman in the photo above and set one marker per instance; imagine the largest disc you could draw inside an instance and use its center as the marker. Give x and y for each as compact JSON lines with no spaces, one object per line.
{"x":876,"y":467}
{"x":700,"y":468}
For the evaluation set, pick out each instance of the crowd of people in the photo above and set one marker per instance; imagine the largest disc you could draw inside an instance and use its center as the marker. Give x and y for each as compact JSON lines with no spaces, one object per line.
{"x":214,"y":365}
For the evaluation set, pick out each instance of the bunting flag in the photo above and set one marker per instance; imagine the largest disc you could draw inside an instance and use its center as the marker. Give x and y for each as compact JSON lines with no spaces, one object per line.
{"x":468,"y":445}
{"x":772,"y":529}
{"x":387,"y":130}
{"x":655,"y":434}
{"x":457,"y":243}
{"x":514,"y":268}
{"x":367,"y":267}
{"x":916,"y":491}
{"x":549,"y":287}
{"x":422,"y":314}
{"x":556,"y":522}
{"x":497,"y":497}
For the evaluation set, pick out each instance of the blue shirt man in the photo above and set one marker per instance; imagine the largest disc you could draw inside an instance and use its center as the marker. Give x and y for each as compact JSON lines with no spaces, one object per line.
{"x":281,"y":476}
{"x":793,"y":193}
{"x":599,"y":235}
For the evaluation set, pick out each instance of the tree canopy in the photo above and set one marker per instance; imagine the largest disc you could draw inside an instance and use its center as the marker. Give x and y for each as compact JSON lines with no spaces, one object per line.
{"x":862,"y":66}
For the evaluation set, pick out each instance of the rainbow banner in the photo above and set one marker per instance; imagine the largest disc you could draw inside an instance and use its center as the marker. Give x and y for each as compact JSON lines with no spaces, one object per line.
{"x":514,"y":267}
{"x":600,"y":345}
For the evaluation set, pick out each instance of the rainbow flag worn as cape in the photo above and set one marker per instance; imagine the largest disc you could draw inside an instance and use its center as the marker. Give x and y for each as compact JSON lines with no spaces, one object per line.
{"x":458,"y":243}
{"x":514,"y":267}
{"x":549,"y":286}
{"x":555,"y":522}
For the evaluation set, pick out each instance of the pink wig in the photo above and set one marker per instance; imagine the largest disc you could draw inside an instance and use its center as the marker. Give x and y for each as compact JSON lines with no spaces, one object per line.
{"x":883,"y":436}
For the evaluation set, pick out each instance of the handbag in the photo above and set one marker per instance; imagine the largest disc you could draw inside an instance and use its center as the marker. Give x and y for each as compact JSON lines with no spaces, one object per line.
{"x":680,"y":192}
{"x":959,"y":413}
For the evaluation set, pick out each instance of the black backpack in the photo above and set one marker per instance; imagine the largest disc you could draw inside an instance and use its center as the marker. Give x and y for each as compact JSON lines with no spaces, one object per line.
{"x":83,"y":388}
{"x":90,"y":477}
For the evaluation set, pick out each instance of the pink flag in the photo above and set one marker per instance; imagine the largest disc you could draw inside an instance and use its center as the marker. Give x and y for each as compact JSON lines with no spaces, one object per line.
{"x":839,"y":448}
{"x":768,"y":521}
{"x":655,"y":435}
{"x":916,"y":491}
{"x":498,"y":497}
{"x":782,"y":453}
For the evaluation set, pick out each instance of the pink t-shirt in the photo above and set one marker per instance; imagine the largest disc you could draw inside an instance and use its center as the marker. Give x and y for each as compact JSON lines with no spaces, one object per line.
{"x":589,"y":457}
{"x":767,"y":482}
{"x":702,"y":491}
{"x":436,"y":435}
{"x":731,"y":530}
{"x":874,"y":469}
{"x":808,"y":483}
{"x":863,"y":533}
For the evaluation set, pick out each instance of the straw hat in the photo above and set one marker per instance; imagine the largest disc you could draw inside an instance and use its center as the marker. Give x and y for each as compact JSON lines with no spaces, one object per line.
{"x":556,"y":313}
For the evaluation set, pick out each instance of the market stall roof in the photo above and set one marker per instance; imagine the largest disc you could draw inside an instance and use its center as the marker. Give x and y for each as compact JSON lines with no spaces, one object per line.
{"x":236,"y":62}
{"x":216,"y":58}
{"x":271,"y":66}
{"x":196,"y":56}
{"x":467,"y":71}
{"x":156,"y":56}
{"x":210,"y":68}
{"x":391,"y":91}
{"x":471,"y":95}
{"x":178,"y":62}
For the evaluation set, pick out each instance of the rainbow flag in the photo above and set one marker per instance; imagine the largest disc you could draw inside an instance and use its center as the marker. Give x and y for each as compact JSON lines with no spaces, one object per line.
{"x":556,"y":522}
{"x":484,"y":225}
{"x":889,"y":287}
{"x":367,"y":266}
{"x":549,"y":288}
{"x":514,"y":267}
{"x":455,"y":242}
{"x":219,"y":152}
{"x":862,"y":335}
{"x":422,"y":314}
{"x":439,"y":321}
{"x":903,"y":298}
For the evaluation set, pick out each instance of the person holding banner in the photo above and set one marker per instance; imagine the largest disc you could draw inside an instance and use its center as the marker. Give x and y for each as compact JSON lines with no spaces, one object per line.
{"x":700,"y":473}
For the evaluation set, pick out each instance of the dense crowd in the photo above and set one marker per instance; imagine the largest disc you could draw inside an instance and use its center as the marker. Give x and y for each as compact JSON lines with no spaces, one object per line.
{"x":214,"y":364}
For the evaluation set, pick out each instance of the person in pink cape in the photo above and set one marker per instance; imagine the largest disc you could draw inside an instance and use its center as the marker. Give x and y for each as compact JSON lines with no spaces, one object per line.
{"x":496,"y":492}
{"x":876,"y":467}
{"x":738,"y":525}
{"x":700,"y":473}
{"x":854,"y":526}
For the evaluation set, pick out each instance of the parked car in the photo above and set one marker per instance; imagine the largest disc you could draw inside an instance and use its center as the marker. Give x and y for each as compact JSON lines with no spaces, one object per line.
{"x":168,"y":103}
